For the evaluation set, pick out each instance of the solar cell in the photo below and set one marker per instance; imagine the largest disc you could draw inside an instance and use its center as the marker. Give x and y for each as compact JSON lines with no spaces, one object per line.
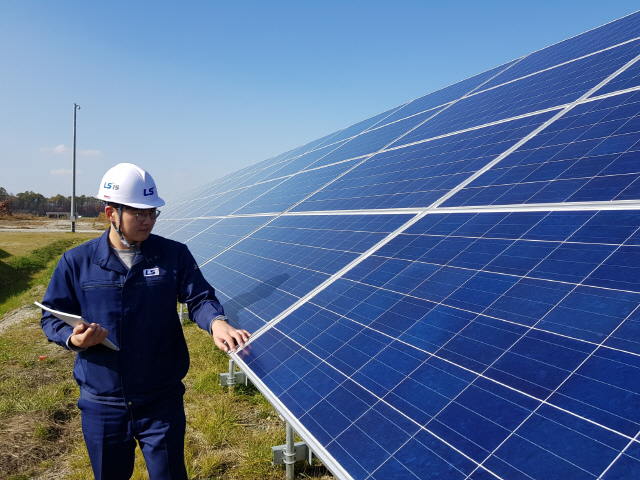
{"x":588,"y":43}
{"x":446,"y":95}
{"x":450,"y":289}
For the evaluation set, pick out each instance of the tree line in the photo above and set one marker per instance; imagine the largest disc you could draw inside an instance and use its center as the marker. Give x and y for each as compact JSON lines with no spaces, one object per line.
{"x":37,"y":204}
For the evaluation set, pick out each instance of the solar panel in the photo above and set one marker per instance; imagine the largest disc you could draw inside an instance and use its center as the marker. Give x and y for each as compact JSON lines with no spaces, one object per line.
{"x":450,"y":289}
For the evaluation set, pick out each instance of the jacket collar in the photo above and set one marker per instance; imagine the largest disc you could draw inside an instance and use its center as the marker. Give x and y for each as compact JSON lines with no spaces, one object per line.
{"x":105,"y":258}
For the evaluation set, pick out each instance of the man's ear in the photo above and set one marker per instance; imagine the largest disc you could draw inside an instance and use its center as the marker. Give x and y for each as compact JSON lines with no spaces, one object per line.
{"x":111,"y":213}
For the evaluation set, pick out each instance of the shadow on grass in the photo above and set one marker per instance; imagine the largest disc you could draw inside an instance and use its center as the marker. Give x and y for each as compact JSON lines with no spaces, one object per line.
{"x":17,"y":272}
{"x":12,"y":280}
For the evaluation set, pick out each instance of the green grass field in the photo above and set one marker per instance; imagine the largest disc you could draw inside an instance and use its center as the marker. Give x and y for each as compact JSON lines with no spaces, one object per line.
{"x":229,"y":434}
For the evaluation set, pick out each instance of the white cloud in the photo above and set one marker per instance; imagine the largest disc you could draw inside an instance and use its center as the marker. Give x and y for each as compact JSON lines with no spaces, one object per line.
{"x":63,"y":150}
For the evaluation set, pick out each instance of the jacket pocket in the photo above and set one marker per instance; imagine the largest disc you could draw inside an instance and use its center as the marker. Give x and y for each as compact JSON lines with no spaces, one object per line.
{"x":102,"y":302}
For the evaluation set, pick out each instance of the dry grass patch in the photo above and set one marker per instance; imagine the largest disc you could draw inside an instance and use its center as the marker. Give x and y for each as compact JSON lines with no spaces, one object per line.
{"x":39,"y":421}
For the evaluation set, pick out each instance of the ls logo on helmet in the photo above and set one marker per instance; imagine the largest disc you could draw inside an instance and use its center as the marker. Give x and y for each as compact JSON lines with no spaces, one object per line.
{"x":111,"y":185}
{"x":150,"y":192}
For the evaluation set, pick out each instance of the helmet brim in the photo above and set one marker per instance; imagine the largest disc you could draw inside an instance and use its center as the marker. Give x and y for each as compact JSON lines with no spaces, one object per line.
{"x":158,"y":202}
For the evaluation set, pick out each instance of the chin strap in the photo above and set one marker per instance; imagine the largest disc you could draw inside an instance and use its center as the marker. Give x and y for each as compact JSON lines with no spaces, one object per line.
{"x":136,"y":248}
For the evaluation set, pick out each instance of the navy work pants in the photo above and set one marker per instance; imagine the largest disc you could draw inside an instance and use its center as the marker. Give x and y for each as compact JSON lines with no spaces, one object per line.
{"x":110,"y":433}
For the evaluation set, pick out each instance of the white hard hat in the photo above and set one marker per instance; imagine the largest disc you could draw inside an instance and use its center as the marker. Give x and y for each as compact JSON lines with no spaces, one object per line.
{"x":130,"y":185}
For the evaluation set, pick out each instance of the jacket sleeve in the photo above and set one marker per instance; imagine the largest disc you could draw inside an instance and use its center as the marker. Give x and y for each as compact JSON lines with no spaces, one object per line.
{"x":197,"y":293}
{"x":60,"y":295}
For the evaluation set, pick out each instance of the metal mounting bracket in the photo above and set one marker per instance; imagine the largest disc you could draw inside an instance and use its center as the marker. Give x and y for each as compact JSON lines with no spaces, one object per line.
{"x":289,"y":453}
{"x":232,"y":377}
{"x":183,"y":314}
{"x":301,"y":452}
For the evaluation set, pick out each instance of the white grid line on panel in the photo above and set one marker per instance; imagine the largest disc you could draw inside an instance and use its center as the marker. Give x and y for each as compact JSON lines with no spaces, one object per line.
{"x":545,"y":207}
{"x":476,"y":373}
{"x":373,"y":127}
{"x":631,"y":442}
{"x":558,"y":387}
{"x":480,"y":375}
{"x":341,"y":142}
{"x":589,"y":356}
{"x":583,"y":33}
{"x":473,"y":372}
{"x":316,"y":446}
{"x":369,"y":156}
{"x":476,"y":127}
{"x":275,"y":401}
{"x":277,"y":184}
{"x":434,"y":354}
{"x":186,"y":221}
{"x":534,"y":133}
{"x":612,"y":94}
{"x":390,"y":112}
{"x":558,"y":65}
{"x":438,"y":137}
{"x":337,"y":275}
{"x":200,"y":232}
{"x":288,"y":159}
{"x":502,"y":320}
{"x":516,"y":207}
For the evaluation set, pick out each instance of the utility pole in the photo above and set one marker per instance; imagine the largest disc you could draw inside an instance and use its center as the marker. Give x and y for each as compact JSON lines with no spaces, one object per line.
{"x":73,"y":188}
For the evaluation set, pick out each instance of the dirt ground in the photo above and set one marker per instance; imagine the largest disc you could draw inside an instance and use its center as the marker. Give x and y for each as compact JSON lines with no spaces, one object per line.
{"x":51,"y":224}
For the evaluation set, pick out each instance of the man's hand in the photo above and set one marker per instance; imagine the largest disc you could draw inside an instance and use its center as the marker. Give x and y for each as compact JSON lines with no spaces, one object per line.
{"x":85,"y":336}
{"x":226,"y":337}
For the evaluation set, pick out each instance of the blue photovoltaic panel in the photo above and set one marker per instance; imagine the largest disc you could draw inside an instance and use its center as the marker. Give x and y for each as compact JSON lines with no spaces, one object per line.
{"x":418,"y":175}
{"x":303,"y":161}
{"x":360,"y":127}
{"x":275,"y":266}
{"x":549,"y":89}
{"x":210,"y":237}
{"x":446,"y":95}
{"x":450,"y":289}
{"x":591,"y":154}
{"x":371,"y":141}
{"x":435,"y":319}
{"x":607,"y":36}
{"x":293,"y":190}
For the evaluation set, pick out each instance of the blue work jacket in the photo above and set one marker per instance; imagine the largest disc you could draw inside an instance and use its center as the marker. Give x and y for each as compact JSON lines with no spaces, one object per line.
{"x":138,"y":308}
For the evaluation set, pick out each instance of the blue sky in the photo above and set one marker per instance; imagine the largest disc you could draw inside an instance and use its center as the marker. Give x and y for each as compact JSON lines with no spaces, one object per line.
{"x":195,"y":90}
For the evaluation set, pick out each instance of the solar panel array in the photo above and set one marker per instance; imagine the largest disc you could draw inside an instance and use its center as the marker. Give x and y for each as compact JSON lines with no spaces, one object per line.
{"x":450,"y":289}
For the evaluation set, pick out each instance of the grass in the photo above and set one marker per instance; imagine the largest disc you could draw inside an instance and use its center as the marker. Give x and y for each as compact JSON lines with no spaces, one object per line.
{"x":229,"y":434}
{"x":21,"y":272}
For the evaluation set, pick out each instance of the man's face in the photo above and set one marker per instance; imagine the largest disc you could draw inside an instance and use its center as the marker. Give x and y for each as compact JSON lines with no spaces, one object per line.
{"x":136,"y":223}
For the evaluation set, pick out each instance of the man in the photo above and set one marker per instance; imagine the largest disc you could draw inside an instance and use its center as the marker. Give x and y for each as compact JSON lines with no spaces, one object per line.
{"x":127,"y":284}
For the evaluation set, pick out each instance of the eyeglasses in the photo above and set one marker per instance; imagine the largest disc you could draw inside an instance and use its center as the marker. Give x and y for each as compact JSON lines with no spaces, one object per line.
{"x":142,"y":216}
